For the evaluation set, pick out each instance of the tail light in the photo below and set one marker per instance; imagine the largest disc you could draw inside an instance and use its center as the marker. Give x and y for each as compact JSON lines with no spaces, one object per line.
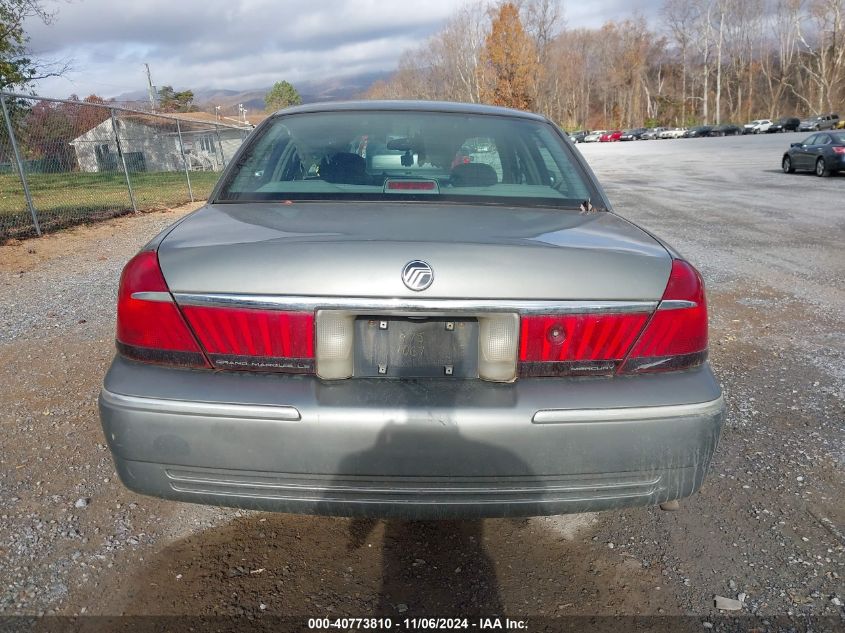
{"x":254,"y":340}
{"x":149,"y":325}
{"x":576,"y":344}
{"x":673,"y":337}
{"x":676,"y":335}
{"x":152,"y":328}
{"x":839,"y":150}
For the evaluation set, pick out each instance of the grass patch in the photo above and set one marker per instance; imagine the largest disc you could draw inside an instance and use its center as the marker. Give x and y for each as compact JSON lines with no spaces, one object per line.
{"x":74,"y":197}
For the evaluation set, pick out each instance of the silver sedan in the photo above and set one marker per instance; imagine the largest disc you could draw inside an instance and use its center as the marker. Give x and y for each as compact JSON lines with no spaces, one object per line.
{"x":374,"y":317}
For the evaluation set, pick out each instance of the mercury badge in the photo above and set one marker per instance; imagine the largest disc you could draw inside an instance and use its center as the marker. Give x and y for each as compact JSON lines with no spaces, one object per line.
{"x":417,"y":275}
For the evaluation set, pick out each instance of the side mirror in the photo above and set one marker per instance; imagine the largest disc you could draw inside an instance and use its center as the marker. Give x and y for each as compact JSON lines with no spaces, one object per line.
{"x":795,"y":144}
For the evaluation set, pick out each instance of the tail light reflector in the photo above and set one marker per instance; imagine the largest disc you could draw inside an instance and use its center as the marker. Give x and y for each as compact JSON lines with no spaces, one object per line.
{"x":255,"y":340}
{"x":152,"y":330}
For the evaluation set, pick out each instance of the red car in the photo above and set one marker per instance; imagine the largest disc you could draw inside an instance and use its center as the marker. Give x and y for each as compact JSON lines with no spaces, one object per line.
{"x":609,"y":137}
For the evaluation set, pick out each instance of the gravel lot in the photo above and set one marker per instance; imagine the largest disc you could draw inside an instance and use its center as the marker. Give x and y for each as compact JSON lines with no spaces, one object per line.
{"x":768,"y":527}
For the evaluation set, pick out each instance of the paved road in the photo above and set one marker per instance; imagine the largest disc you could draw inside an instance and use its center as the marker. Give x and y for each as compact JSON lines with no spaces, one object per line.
{"x":768,"y":523}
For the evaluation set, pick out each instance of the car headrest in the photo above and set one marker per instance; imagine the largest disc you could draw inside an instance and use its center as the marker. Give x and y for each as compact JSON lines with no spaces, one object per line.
{"x":345,"y":168}
{"x":473,"y":175}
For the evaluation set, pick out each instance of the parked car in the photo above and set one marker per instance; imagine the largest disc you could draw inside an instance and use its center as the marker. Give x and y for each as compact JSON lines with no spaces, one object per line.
{"x":821,"y":122}
{"x":633,"y":135}
{"x":323,"y":338}
{"x":578,"y":137}
{"x":840,"y":125}
{"x":698,"y":131}
{"x":726,"y":129}
{"x":822,"y":153}
{"x":785,"y":124}
{"x":751,"y":126}
{"x":676,"y":132}
{"x":593,"y":137}
{"x":757,"y":126}
{"x":610,"y":137}
{"x":652,"y":134}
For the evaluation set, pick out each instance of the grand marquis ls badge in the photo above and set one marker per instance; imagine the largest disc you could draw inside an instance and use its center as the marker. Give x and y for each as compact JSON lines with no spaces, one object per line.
{"x":417,"y":275}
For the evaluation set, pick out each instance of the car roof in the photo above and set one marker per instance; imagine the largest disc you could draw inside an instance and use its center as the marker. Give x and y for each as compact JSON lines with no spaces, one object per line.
{"x":409,"y":106}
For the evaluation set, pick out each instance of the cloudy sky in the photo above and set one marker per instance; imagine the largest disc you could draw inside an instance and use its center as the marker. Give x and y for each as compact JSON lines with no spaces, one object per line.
{"x":248,"y":43}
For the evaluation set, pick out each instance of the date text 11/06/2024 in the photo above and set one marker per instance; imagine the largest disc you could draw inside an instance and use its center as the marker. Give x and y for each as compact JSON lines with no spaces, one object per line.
{"x":481,"y":624}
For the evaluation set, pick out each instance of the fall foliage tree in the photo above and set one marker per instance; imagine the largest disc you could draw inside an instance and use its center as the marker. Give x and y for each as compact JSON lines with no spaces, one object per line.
{"x":509,"y":64}
{"x":47,"y":128}
{"x":85,"y":114}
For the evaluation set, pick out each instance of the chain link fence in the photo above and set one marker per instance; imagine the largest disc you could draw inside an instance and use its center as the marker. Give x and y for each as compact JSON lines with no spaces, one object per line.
{"x":63,"y":162}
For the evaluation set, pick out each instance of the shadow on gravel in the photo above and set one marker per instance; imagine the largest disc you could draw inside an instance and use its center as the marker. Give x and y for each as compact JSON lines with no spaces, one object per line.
{"x":326,"y":567}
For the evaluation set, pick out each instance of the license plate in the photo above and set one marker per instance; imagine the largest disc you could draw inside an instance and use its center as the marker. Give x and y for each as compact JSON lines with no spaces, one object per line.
{"x":399,"y":347}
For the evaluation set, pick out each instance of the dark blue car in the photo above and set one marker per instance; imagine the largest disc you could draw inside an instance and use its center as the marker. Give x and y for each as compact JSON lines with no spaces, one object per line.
{"x":822,"y":153}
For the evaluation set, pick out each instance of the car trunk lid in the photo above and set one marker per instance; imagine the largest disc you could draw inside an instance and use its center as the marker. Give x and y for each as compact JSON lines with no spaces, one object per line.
{"x":360,"y":249}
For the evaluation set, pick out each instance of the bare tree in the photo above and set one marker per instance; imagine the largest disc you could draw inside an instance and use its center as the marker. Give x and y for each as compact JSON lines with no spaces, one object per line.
{"x":823,"y":50}
{"x":543,"y":20}
{"x":779,"y":54}
{"x":712,"y":60}
{"x":680,"y":15}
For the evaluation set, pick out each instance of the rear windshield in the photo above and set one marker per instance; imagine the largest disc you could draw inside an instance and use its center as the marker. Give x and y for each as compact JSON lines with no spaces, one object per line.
{"x":385,"y":155}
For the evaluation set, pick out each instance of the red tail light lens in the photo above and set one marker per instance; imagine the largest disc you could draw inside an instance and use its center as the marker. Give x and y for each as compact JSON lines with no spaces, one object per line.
{"x":555,"y":345}
{"x":255,"y":340}
{"x":152,"y":330}
{"x":839,"y":150}
{"x":676,"y":335}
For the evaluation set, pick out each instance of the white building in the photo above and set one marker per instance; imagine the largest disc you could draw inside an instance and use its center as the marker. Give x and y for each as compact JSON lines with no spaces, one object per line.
{"x":151,"y":143}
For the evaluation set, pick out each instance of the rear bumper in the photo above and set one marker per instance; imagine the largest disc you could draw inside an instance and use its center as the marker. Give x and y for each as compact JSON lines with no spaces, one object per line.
{"x":412,"y":449}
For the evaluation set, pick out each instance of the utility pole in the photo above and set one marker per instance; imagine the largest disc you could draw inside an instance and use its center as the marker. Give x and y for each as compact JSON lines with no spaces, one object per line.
{"x":151,"y":90}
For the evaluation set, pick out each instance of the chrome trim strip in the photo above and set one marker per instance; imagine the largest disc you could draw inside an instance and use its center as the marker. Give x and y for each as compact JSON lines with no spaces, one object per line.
{"x":411,"y":304}
{"x":676,"y":304}
{"x":208,"y":409}
{"x":160,"y":297}
{"x":627,"y":414}
{"x":304,"y":483}
{"x":228,"y":495}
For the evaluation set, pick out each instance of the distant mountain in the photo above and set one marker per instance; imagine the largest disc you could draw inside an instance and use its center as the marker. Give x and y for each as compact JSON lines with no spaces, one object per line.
{"x":331,"y":89}
{"x":339,"y":88}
